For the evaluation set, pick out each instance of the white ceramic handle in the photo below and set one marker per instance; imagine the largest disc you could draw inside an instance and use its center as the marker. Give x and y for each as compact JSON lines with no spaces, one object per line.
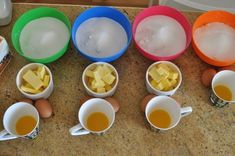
{"x":186,"y":111}
{"x":78,"y":130}
{"x":4,"y":135}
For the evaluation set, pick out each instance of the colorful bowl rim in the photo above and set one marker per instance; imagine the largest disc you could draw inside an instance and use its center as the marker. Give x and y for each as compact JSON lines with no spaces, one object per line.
{"x":199,"y":53}
{"x":164,"y":58}
{"x":109,"y":58}
{"x":42,"y":60}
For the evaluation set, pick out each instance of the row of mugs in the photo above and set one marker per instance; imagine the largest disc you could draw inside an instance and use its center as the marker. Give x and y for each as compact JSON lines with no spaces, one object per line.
{"x":20,"y":109}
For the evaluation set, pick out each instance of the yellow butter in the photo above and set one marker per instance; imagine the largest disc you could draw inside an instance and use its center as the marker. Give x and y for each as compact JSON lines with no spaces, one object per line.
{"x":154,"y":74}
{"x":153,"y":83}
{"x":42,"y":73}
{"x":166,"y":83}
{"x":89,"y":73}
{"x":31,"y":78}
{"x":107,"y":87}
{"x":101,"y":90}
{"x":46,"y":80}
{"x":159,"y":86}
{"x":107,"y":70}
{"x":165,"y":67}
{"x":29,"y":90}
{"x":99,"y":84}
{"x":109,"y":78}
{"x":173,"y":76}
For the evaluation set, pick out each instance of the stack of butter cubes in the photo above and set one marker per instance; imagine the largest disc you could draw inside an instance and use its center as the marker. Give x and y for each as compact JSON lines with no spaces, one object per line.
{"x":162,"y":77}
{"x":35,"y":81}
{"x":100,"y":79}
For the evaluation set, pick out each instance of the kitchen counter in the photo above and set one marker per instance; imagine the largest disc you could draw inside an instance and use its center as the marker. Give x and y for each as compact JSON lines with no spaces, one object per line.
{"x":207,"y":131}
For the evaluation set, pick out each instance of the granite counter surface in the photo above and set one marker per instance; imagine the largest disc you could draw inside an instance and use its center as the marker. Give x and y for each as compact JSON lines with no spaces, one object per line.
{"x":207,"y":131}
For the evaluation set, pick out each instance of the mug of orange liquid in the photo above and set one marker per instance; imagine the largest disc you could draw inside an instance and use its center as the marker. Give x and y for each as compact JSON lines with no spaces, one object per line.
{"x":164,"y":113}
{"x":21,"y":120}
{"x":95,"y":116}
{"x":223,"y":88}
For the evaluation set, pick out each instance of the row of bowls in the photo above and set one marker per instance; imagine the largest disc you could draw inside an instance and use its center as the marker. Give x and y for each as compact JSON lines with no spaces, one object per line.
{"x":114,"y":14}
{"x":48,"y":91}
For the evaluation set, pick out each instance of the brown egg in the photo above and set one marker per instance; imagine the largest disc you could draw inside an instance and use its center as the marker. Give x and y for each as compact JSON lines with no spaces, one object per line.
{"x":227,"y":68}
{"x":145,"y":101}
{"x":44,"y":108}
{"x":83,"y":100}
{"x":207,"y":76}
{"x":26,"y":100}
{"x":114,"y":103}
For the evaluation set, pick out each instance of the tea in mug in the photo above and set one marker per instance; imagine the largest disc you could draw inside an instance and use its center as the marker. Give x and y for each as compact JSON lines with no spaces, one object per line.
{"x":223,"y":92}
{"x":97,"y":121}
{"x":160,"y":118}
{"x":25,"y":125}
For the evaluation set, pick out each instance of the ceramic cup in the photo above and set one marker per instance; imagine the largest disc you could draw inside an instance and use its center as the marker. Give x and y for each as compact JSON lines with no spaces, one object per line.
{"x":45,"y":93}
{"x":12,"y":115}
{"x":89,"y":107}
{"x":169,"y":105}
{"x":225,"y":78}
{"x":155,"y":91}
{"x":91,"y":92}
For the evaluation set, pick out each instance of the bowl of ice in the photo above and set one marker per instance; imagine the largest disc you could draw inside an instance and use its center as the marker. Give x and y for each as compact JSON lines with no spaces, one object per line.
{"x":41,"y":35}
{"x":161,"y":33}
{"x":101,"y":34}
{"x":214,"y":37}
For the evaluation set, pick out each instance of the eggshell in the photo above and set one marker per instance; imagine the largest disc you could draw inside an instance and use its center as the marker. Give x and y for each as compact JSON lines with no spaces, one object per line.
{"x":114,"y":103}
{"x":145,"y":101}
{"x":227,"y":68}
{"x":26,"y":100}
{"x":207,"y":76}
{"x":44,"y":108}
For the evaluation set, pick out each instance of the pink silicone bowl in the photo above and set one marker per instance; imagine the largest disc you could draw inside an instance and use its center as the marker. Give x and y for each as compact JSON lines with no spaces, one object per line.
{"x":167,"y":11}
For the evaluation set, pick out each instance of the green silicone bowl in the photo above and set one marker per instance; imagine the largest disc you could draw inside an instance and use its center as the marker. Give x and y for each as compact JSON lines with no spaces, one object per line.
{"x":32,"y":15}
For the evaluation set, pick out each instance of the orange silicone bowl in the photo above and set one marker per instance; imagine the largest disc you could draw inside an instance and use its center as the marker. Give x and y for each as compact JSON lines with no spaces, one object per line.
{"x":209,"y":17}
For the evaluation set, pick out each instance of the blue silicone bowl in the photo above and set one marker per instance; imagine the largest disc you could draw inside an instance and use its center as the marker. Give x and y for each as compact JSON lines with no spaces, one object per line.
{"x":108,"y":12}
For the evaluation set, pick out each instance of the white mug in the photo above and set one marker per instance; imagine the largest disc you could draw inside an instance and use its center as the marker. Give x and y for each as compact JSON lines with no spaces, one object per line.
{"x":12,"y":115}
{"x":89,"y":107}
{"x":153,"y":90}
{"x":226,"y":78}
{"x":45,"y":93}
{"x":169,"y":105}
{"x":91,"y":92}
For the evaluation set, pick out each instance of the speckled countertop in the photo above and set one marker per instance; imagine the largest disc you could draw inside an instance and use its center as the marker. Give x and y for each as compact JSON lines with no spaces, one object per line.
{"x":207,"y":131}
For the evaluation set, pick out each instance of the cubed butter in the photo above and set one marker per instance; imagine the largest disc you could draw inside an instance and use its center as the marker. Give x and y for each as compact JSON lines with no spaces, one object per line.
{"x":46,"y":80}
{"x":161,"y":70}
{"x":89,"y":73}
{"x":164,"y":66}
{"x":100,"y":78}
{"x":159,"y":86}
{"x":99,"y":84}
{"x":109,"y":78}
{"x":107,"y":87}
{"x":173,"y":75}
{"x":29,"y":90}
{"x":107,"y":70}
{"x":101,"y":90}
{"x":154,"y":74}
{"x":166,"y":83}
{"x":31,"y":78}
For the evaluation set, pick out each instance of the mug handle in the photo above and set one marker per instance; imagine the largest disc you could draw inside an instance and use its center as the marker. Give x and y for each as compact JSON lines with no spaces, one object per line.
{"x":78,"y":130}
{"x":4,"y":135}
{"x":185,"y":111}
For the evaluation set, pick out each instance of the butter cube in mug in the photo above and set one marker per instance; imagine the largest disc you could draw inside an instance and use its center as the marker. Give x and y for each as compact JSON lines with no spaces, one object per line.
{"x":163,"y":78}
{"x":100,"y":79}
{"x":35,"y":81}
